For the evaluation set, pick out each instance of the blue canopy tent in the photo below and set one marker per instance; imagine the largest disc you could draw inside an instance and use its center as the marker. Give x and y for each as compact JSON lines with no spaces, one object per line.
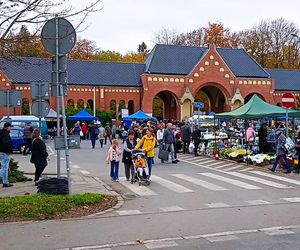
{"x":83,"y":115}
{"x":139,"y":115}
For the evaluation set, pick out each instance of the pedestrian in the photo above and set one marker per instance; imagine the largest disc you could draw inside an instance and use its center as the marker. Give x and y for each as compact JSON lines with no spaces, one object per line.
{"x":107,"y":134}
{"x":280,"y":152}
{"x":93,"y":132}
{"x":262,"y":139}
{"x":101,"y":135}
{"x":186,"y":137}
{"x":129,"y":145}
{"x":159,"y":134}
{"x":250,"y":136}
{"x":84,"y":129}
{"x":196,"y":138}
{"x":297,"y":146}
{"x":39,"y":154}
{"x":168,"y":139}
{"x":113,"y":157}
{"x":6,"y":148}
{"x":27,"y":136}
{"x":77,"y":130}
{"x":147,"y":144}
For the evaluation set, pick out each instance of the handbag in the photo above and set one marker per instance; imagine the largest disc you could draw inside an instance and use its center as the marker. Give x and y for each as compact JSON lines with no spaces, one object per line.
{"x":191,"y":147}
{"x":163,"y":154}
{"x":81,"y":133}
{"x":288,"y":145}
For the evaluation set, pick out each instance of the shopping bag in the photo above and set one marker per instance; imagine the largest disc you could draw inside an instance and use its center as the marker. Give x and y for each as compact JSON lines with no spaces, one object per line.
{"x":163,"y":154}
{"x":191,"y":147}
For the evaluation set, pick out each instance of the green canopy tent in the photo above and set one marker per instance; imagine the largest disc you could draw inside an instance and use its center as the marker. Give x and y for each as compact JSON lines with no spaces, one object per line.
{"x":257,"y":108}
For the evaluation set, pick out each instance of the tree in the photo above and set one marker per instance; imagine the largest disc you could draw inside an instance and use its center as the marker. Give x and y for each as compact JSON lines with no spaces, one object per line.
{"x":14,"y":13}
{"x":84,"y":49}
{"x":165,"y":36}
{"x":107,"y":55}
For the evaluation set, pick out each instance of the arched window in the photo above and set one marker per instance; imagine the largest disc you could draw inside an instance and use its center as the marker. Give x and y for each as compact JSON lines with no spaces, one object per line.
{"x":25,"y":107}
{"x":90,"y":104}
{"x":113,"y":108}
{"x":80,"y":104}
{"x":70,"y":103}
{"x":130,"y":107}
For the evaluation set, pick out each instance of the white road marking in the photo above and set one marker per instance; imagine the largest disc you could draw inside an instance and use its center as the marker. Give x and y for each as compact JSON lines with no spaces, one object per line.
{"x":75,"y":166}
{"x":85,"y":172}
{"x":280,"y":178}
{"x":160,"y":244}
{"x":214,"y":164}
{"x":171,"y":209}
{"x":278,"y":232}
{"x":139,"y":190}
{"x":51,"y":150}
{"x":229,"y":169}
{"x":292,"y":199}
{"x":129,"y":212}
{"x":199,"y":182}
{"x":221,"y":238}
{"x":200,"y":159}
{"x":259,"y":180}
{"x":207,"y":161}
{"x":226,"y":165}
{"x":216,"y":204}
{"x":231,"y":181}
{"x":246,"y":169}
{"x":170,"y":185}
{"x":258,"y":202}
{"x":186,"y":157}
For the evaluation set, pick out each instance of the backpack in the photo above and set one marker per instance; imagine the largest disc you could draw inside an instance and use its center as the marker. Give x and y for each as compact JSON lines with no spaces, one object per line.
{"x":96,"y":131}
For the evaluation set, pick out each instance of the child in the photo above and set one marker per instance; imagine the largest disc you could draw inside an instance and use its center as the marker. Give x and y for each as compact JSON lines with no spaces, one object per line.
{"x":140,"y":165}
{"x":113,"y":156}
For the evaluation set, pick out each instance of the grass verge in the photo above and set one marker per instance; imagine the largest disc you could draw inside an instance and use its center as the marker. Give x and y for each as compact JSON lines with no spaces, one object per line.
{"x":42,"y":206}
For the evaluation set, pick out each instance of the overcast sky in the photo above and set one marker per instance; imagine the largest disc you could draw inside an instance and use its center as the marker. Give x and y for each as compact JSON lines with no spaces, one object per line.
{"x":123,"y":24}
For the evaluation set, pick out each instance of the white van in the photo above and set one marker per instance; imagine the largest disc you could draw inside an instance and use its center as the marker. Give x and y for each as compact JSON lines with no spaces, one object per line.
{"x":21,"y":120}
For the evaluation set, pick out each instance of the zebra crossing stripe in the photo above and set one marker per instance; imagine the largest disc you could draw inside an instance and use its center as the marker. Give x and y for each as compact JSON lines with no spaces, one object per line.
{"x":246,"y":169}
{"x":226,"y":165}
{"x":214,"y":164}
{"x":259,"y":180}
{"x":139,"y":190}
{"x":232,"y":168}
{"x":291,"y":199}
{"x":187,"y":157}
{"x":200,"y":159}
{"x":231,"y":181}
{"x":207,"y":161}
{"x":170,"y":185}
{"x":276,"y":177}
{"x":199,"y":182}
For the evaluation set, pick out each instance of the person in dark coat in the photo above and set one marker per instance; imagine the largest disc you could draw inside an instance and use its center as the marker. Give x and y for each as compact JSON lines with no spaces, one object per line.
{"x":129,"y":144}
{"x":186,"y":137}
{"x":27,"y":136}
{"x":6,"y":148}
{"x":262,"y":139}
{"x":196,"y":138}
{"x":39,"y":154}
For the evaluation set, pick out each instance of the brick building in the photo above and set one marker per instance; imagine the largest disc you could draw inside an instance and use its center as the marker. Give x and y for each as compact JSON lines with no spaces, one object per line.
{"x":172,"y":78}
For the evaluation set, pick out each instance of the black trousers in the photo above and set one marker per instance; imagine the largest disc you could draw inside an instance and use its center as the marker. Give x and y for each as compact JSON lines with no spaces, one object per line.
{"x":186,"y":147}
{"x":129,"y":168}
{"x":38,"y":171}
{"x":197,"y":142}
{"x":27,"y":147}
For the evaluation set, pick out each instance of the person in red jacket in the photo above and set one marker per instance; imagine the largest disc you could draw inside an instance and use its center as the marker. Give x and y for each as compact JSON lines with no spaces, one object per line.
{"x":84,"y":129}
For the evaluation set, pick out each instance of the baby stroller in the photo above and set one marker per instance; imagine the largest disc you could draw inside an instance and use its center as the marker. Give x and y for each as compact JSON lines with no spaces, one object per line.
{"x":138,"y":156}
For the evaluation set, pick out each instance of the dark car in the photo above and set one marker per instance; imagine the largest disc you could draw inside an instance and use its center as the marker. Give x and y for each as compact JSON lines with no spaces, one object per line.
{"x":17,"y":136}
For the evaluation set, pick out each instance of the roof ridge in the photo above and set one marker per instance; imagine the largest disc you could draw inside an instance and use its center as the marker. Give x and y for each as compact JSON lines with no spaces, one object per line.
{"x":182,"y":46}
{"x":283,"y":69}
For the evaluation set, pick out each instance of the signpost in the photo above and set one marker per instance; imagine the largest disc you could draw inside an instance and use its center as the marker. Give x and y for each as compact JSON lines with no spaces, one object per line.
{"x":288,"y":101}
{"x":58,"y":38}
{"x":199,"y":105}
{"x":10,"y":98}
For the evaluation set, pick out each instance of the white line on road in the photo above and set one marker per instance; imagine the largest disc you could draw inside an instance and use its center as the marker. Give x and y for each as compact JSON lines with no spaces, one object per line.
{"x":292,"y":199}
{"x":226,"y":165}
{"x":246,"y":169}
{"x":139,"y":190}
{"x":232,"y":168}
{"x":216,"y":204}
{"x":278,"y":232}
{"x":171,"y":209}
{"x":259,"y":180}
{"x":187,"y":157}
{"x":276,"y":177}
{"x":199,"y":182}
{"x":207,"y":161}
{"x":51,"y":150}
{"x":75,"y":166}
{"x":170,"y":185}
{"x":161,"y":244}
{"x":258,"y":202}
{"x":129,"y":212}
{"x":221,"y":238}
{"x":231,"y":181}
{"x":214,"y":164}
{"x":85,"y":172}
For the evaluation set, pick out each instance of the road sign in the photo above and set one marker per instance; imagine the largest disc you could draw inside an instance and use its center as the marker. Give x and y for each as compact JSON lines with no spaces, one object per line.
{"x":72,"y":140}
{"x":40,"y":108}
{"x":40,"y":90}
{"x":199,"y":105}
{"x":66,"y":36}
{"x":10,"y":98}
{"x":288,"y":100}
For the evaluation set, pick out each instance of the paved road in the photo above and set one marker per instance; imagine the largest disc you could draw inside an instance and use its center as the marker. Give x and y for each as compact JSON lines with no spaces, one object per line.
{"x":199,"y":203}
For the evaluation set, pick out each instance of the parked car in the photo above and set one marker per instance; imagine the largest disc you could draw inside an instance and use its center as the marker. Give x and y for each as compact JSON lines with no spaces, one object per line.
{"x":17,"y":136}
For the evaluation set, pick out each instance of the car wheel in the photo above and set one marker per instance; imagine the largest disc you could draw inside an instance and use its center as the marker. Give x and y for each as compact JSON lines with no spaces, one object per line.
{"x":22,"y":149}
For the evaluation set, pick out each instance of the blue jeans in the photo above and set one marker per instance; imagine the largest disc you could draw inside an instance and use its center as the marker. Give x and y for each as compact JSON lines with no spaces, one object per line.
{"x":4,"y":160}
{"x":149,"y":162}
{"x":114,"y":170}
{"x":287,"y":164}
{"x":93,"y":140}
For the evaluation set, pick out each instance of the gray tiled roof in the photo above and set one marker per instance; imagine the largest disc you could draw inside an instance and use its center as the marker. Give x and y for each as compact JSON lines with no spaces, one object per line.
{"x":285,"y":79}
{"x":180,"y":60}
{"x":25,"y":70}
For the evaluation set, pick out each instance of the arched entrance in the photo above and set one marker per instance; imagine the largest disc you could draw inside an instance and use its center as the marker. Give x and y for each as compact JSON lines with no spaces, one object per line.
{"x":165,"y":106}
{"x":130,"y":107}
{"x":249,"y":96}
{"x":186,"y":109}
{"x":213,"y":99}
{"x":236,"y":104}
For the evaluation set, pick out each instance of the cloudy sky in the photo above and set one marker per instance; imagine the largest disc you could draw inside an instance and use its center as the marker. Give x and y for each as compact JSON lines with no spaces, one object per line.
{"x":123,"y":24}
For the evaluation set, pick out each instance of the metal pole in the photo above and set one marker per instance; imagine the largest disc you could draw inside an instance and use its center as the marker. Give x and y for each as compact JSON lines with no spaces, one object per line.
{"x":39,"y":106}
{"x":286,"y":122}
{"x":57,"y":91}
{"x":66,"y":138}
{"x":8,"y":101}
{"x":94,"y":106}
